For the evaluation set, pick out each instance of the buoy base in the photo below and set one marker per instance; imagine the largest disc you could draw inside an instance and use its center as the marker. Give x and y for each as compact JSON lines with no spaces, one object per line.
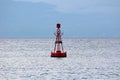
{"x":58,"y":54}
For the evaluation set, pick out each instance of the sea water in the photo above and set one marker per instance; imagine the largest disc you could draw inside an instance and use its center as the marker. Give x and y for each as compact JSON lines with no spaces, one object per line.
{"x":88,"y":59}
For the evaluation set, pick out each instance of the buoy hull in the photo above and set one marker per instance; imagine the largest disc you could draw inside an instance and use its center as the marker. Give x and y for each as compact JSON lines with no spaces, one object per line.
{"x":58,"y":54}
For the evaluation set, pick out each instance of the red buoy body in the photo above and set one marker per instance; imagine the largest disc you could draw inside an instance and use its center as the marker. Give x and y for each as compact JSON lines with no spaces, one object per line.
{"x":58,"y":49}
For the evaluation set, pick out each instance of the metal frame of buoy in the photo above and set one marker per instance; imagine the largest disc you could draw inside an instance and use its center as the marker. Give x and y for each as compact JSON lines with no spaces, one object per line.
{"x":58,"y":48}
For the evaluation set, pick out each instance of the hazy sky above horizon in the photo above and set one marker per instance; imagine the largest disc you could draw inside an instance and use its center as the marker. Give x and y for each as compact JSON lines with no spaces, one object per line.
{"x":79,"y":18}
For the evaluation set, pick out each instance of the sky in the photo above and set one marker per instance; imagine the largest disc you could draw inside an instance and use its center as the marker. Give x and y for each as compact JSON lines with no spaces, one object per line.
{"x":78,"y":18}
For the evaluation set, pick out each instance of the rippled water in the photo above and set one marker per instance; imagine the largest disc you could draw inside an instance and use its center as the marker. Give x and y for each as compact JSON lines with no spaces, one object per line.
{"x":88,"y":59}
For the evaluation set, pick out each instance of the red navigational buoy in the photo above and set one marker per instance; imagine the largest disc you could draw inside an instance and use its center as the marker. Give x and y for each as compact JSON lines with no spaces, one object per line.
{"x":58,"y":49}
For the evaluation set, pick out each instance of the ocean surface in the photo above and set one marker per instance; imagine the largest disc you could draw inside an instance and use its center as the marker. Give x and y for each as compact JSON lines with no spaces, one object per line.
{"x":88,"y":59}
